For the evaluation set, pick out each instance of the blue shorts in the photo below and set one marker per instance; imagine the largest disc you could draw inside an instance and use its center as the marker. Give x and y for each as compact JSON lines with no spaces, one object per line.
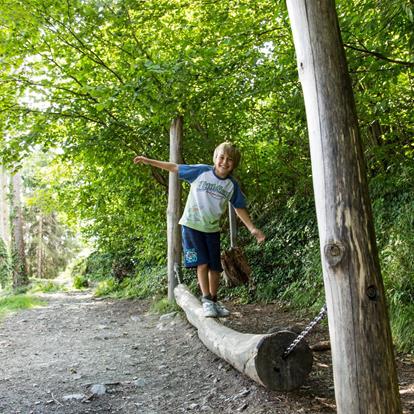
{"x":201,"y":248}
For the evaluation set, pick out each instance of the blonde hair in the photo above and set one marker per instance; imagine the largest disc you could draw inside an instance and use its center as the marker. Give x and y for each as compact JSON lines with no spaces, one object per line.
{"x":229,"y":149}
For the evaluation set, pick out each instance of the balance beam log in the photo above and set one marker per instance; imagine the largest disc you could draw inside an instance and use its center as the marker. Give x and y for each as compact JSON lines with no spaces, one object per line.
{"x":257,"y":356}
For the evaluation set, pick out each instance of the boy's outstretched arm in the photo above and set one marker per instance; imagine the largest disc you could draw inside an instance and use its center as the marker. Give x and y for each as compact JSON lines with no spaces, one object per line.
{"x":165,"y":165}
{"x":247,"y":221}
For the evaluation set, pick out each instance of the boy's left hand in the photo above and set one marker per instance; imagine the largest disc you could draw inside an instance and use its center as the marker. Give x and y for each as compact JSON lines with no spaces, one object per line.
{"x":260,"y":237}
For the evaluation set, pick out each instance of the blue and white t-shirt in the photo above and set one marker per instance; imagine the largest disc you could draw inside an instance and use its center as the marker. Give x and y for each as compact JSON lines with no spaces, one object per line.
{"x":208,"y":197}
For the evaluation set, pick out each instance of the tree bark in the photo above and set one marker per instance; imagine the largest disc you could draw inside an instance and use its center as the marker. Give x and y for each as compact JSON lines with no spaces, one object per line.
{"x":174,"y":207}
{"x":4,"y":208}
{"x":257,"y":356}
{"x":39,"y":255}
{"x":20,"y":277}
{"x":363,"y":361}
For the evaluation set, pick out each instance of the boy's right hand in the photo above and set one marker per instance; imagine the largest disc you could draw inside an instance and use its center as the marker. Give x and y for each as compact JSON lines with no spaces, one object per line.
{"x":140,"y":159}
{"x":260,"y":237}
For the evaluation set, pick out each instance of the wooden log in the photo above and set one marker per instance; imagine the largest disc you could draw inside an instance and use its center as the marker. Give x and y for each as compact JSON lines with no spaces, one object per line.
{"x":362,"y":350}
{"x":257,"y":356}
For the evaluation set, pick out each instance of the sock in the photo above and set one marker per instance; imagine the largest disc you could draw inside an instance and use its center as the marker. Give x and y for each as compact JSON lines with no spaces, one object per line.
{"x":214,"y":298}
{"x":207,"y":297}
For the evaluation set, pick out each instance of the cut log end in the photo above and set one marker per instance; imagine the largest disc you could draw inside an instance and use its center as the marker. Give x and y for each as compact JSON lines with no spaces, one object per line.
{"x":283,"y":374}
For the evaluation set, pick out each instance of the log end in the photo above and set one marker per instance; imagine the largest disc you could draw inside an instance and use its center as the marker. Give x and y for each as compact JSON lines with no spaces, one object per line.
{"x":282,"y":374}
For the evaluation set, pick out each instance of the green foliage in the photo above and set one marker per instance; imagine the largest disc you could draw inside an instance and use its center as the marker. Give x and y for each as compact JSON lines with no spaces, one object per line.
{"x":100,"y":266}
{"x":45,"y":286}
{"x":107,"y":287}
{"x":163,"y":306}
{"x":80,"y":282}
{"x":402,"y":318}
{"x":287,"y":265}
{"x":239,"y":294}
{"x":393,"y":206}
{"x":5,"y":265}
{"x":148,"y":282}
{"x":17,"y":302}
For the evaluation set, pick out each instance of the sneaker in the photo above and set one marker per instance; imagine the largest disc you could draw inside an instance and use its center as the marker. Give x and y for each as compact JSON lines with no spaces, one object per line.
{"x":209,"y":309}
{"x":222,"y":312}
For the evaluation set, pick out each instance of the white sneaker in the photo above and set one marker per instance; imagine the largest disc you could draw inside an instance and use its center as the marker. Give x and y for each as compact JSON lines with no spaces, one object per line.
{"x":209,"y":309}
{"x":222,"y":312}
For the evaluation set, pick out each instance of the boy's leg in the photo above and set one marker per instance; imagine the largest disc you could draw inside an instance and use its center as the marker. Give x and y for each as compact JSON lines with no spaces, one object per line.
{"x":209,"y":308}
{"x":203,"y":279}
{"x":214,"y":281}
{"x":214,"y":278}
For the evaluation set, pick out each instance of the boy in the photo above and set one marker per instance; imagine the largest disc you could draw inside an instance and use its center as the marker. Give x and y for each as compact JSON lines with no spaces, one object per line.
{"x":212,"y":187}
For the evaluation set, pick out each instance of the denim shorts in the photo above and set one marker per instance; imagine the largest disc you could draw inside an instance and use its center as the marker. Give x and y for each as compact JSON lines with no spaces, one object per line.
{"x":201,"y":248}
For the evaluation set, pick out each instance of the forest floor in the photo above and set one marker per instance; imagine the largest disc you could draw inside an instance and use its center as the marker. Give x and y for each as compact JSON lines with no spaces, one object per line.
{"x":79,"y":354}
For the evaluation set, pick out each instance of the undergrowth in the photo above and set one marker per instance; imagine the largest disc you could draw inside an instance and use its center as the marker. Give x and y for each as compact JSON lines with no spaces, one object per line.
{"x":13,"y":303}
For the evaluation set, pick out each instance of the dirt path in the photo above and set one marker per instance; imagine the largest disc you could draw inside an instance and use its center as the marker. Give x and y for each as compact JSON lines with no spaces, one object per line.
{"x":57,"y":358}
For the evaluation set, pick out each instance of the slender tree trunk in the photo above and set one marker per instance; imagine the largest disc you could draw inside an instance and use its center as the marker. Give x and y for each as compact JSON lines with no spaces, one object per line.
{"x":39,"y":256}
{"x":20,"y":277}
{"x":363,"y":360}
{"x":174,"y":207}
{"x":4,"y":208}
{"x":4,"y":229}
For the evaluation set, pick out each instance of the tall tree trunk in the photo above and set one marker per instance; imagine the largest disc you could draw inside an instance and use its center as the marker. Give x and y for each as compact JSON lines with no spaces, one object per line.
{"x":174,"y":207}
{"x":4,"y":207}
{"x":363,"y":360}
{"x":20,"y":277}
{"x":39,"y":255}
{"x":4,"y":229}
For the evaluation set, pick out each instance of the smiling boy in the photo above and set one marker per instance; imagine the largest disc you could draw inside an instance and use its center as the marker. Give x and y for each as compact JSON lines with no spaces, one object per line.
{"x":212,"y":187}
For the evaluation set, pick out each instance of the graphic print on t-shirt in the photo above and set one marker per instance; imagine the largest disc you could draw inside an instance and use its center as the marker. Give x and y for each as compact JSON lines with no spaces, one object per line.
{"x":214,"y":190}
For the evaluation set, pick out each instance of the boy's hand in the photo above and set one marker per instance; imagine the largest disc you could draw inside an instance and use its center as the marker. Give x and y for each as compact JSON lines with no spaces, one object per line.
{"x":260,"y":237}
{"x":140,"y":159}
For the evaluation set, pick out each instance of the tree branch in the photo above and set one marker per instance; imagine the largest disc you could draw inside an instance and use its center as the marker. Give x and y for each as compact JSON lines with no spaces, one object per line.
{"x":380,"y":56}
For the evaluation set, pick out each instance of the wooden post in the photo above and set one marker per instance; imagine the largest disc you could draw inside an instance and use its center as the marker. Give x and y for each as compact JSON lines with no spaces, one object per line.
{"x":233,"y":226}
{"x":174,"y":207}
{"x":362,"y":351}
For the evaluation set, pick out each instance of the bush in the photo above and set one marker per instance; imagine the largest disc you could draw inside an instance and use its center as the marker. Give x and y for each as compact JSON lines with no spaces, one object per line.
{"x":163,"y":306}
{"x":287,"y":266}
{"x":13,"y":303}
{"x":45,"y":286}
{"x":99,"y":266}
{"x":393,"y":208}
{"x":80,"y":282}
{"x":148,"y":282}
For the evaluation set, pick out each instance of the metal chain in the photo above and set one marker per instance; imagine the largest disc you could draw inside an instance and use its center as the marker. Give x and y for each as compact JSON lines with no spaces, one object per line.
{"x":177,"y":271}
{"x":305,"y":332}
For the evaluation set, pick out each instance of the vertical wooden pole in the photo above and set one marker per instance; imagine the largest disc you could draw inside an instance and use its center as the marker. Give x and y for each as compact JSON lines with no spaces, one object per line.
{"x":362,"y":351}
{"x":233,"y":226}
{"x":174,"y":207}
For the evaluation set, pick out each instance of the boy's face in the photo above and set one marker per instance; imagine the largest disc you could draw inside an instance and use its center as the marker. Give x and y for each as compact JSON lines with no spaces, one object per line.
{"x":223,"y":164}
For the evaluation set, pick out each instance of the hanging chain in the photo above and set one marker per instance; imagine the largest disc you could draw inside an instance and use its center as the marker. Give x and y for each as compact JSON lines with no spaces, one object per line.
{"x":177,"y":272}
{"x":305,"y":332}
